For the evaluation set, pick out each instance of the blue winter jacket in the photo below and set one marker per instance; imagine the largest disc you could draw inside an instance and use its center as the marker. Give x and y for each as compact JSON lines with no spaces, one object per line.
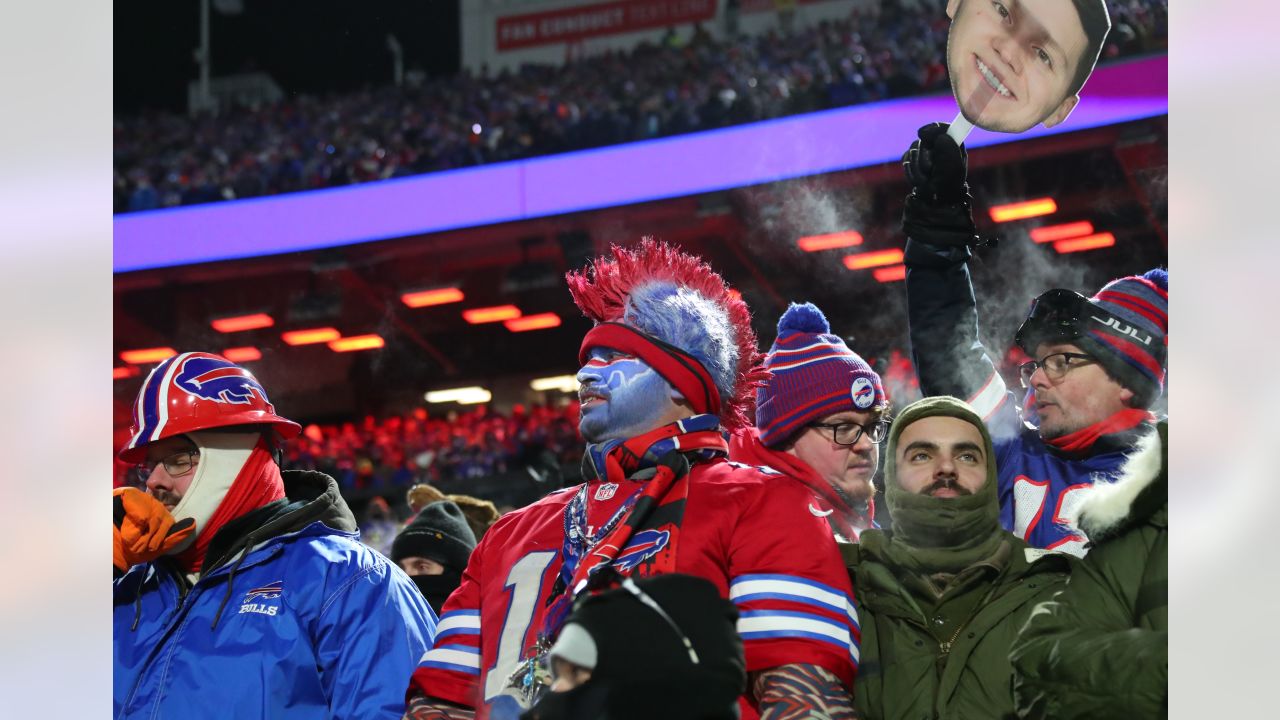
{"x":307,"y":623}
{"x":1038,"y":485}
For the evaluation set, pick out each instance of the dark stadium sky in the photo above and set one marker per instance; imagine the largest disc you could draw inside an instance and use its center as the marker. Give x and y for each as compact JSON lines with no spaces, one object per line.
{"x":308,"y":46}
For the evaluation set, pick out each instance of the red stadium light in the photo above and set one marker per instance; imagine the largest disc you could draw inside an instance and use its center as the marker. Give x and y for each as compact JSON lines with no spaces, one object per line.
{"x":1088,"y":242}
{"x":146,"y":356}
{"x":435,"y":296}
{"x":122,"y":372}
{"x":1054,"y":233}
{"x":830,"y":241}
{"x":476,"y":316}
{"x":242,"y":354}
{"x":357,"y":342}
{"x":891,"y":274}
{"x":862,"y":261}
{"x":310,"y":336}
{"x":243,"y":322}
{"x":1024,"y":210}
{"x":541,"y":321}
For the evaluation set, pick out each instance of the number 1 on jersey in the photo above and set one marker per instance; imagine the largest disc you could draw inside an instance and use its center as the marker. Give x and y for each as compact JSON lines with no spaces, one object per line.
{"x":524,"y":583}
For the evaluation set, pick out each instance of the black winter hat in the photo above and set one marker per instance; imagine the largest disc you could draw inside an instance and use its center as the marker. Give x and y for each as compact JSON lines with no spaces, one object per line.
{"x":439,"y":532}
{"x":642,"y":668}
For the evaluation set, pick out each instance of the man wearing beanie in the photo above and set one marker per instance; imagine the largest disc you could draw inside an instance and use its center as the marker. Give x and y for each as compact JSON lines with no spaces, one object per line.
{"x":669,"y":368}
{"x":242,"y":591}
{"x":661,"y":647}
{"x":819,"y":418}
{"x":943,"y":595}
{"x":433,"y":550}
{"x":1098,"y":363}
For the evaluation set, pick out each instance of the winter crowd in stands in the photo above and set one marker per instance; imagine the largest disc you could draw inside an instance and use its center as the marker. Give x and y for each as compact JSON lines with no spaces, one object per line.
{"x":723,"y":555}
{"x":399,"y":451}
{"x":656,"y":90}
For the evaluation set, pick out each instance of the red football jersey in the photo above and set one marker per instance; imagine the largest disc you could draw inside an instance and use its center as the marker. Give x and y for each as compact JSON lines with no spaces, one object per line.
{"x":750,"y":533}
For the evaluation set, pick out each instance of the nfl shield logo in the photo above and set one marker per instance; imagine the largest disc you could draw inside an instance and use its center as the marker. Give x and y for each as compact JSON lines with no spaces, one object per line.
{"x":606,"y":491}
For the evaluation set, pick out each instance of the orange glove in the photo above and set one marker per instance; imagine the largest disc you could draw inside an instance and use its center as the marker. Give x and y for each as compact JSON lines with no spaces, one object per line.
{"x":144,"y":529}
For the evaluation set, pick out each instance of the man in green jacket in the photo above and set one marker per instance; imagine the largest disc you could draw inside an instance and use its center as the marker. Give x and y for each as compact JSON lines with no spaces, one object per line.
{"x":1100,"y":649}
{"x":943,"y":595}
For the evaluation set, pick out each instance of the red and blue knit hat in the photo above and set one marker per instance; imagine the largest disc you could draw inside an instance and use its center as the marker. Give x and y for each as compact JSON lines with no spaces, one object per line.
{"x":1125,"y":326}
{"x":814,"y":374}
{"x":1136,"y":357}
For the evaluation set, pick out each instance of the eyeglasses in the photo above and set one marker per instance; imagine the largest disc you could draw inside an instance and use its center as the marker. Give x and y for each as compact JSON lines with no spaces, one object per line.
{"x":848,"y":433}
{"x":176,"y":465}
{"x":1055,"y":366}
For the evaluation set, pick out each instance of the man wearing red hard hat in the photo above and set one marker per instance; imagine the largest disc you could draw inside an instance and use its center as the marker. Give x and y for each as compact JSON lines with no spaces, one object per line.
{"x":242,"y":591}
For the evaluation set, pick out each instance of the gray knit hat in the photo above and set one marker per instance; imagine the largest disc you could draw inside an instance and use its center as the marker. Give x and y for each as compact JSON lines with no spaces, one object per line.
{"x":439,"y":532}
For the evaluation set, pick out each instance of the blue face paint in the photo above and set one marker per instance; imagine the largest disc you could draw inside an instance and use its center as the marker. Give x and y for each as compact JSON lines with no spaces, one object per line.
{"x":622,"y":396}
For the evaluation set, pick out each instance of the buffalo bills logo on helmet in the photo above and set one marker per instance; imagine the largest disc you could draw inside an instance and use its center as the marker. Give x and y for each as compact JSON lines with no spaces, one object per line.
{"x":644,"y":545}
{"x":218,"y":380}
{"x":864,"y":393}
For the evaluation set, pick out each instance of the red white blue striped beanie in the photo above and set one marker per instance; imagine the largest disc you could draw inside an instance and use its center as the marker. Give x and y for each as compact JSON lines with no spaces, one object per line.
{"x":813,"y":374}
{"x":1135,"y":356}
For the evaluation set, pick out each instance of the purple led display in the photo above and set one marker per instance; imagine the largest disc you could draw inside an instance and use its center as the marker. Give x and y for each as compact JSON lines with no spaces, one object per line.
{"x":761,"y":152}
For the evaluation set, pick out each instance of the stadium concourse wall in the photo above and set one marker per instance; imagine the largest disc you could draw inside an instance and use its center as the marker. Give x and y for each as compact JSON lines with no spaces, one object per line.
{"x":744,"y":155}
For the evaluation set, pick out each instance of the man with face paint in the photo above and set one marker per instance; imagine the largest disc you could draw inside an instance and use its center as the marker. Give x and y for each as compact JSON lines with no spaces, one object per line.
{"x":820,"y":418}
{"x":1016,"y":63}
{"x":1098,"y":363}
{"x":670,"y":365}
{"x":943,"y":595}
{"x":241,"y":591}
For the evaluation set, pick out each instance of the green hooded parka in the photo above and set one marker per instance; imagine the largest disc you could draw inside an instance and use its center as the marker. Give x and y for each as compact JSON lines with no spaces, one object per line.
{"x":1101,"y":648}
{"x":941,"y":598}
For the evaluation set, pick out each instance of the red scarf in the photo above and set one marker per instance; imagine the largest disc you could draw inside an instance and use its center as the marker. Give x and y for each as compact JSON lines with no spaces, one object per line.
{"x":745,"y":447}
{"x":660,"y":505}
{"x":257,"y":484}
{"x":1082,"y":440}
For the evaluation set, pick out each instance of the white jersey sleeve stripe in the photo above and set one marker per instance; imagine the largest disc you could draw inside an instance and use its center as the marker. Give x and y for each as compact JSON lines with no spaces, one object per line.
{"x":453,"y":655}
{"x":459,"y":621}
{"x":783,"y":587}
{"x":763,"y":626}
{"x":987,"y":400}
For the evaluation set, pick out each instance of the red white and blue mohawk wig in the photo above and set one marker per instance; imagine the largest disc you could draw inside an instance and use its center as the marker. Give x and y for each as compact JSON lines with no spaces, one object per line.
{"x":667,"y":308}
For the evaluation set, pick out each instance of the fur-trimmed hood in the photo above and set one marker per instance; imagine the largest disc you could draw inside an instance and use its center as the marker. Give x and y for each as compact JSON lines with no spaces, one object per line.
{"x":1142,"y":489}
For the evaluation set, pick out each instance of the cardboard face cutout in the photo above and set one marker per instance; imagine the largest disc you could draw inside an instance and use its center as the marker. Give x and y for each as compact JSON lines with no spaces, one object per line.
{"x":1018,"y":63}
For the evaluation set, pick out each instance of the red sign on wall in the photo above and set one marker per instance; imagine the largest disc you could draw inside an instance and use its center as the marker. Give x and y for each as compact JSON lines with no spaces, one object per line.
{"x":577,"y":23}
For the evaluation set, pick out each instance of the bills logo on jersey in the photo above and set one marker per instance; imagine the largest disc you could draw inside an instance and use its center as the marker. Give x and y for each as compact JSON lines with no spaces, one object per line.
{"x":218,"y":380}
{"x":644,"y":545}
{"x":863,"y":392}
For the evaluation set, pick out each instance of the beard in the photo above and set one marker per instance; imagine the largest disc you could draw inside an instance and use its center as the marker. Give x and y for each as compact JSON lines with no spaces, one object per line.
{"x":945,"y":483}
{"x":166,"y":497}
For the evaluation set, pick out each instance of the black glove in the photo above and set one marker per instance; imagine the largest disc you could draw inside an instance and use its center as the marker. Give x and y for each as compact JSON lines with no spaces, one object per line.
{"x":939,"y":209}
{"x":936,"y":166}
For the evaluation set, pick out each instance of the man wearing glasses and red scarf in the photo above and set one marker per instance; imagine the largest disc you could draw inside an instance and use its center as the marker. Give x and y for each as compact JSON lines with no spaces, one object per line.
{"x":820,"y":418}
{"x":669,"y":367}
{"x":1098,"y":363}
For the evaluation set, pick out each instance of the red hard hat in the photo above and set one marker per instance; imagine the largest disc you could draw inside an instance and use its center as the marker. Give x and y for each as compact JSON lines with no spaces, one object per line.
{"x":198,"y":391}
